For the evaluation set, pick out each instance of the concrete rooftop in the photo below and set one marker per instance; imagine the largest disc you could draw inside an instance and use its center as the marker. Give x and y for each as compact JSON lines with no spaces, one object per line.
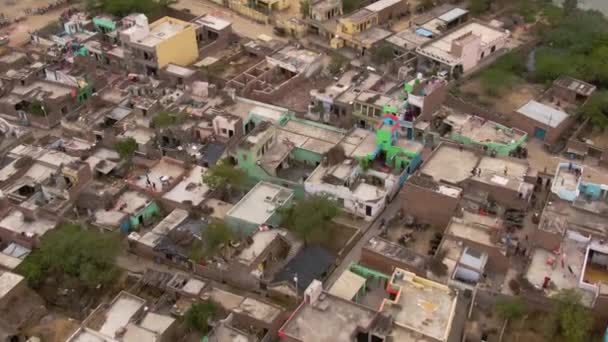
{"x":421,"y":306}
{"x":260,"y":202}
{"x":449,"y":163}
{"x":190,"y":188}
{"x":330,"y":319}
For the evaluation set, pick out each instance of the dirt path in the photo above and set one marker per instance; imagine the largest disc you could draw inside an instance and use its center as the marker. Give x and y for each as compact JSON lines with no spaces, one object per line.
{"x":240,"y":25}
{"x":19,"y":33}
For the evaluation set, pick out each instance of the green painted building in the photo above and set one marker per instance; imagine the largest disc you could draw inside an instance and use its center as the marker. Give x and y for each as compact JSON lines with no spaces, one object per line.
{"x":479,"y":132}
{"x":284,"y":153}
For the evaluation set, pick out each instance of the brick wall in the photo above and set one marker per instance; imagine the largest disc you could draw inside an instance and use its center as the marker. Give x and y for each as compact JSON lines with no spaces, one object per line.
{"x":386,"y":265}
{"x":415,"y":201}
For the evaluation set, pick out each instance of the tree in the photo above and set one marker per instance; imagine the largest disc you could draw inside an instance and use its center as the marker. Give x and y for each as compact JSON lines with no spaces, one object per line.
{"x":225,"y":177}
{"x":426,"y":5}
{"x":479,"y":6}
{"x":310,"y":217}
{"x":126,"y":147}
{"x":510,"y":309}
{"x":199,"y":314}
{"x":383,"y":54}
{"x":122,"y":8}
{"x":37,"y":108}
{"x":216,"y":235}
{"x":336,"y":64}
{"x":167,"y":119}
{"x":570,"y":319}
{"x":304,"y":9}
{"x":551,"y":63}
{"x":495,"y":81}
{"x":69,"y":250}
{"x":570,"y":6}
{"x":596,"y":109}
{"x":351,"y":5}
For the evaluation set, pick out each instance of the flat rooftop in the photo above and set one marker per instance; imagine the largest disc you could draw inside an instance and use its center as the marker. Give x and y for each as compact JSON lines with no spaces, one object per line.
{"x":330,"y":319}
{"x":470,"y":231}
{"x":190,"y":188}
{"x":408,"y":39}
{"x":53,"y":90}
{"x":15,"y":221}
{"x":162,"y":229}
{"x":84,"y":335}
{"x":156,"y":323}
{"x":227,"y":300}
{"x":482,"y":130}
{"x":381,"y":5}
{"x":444,"y":189}
{"x":111,"y":319}
{"x":395,"y":251}
{"x":261,"y":202}
{"x":450,"y":164}
{"x":258,"y":310}
{"x":578,"y":86}
{"x":504,"y":172}
{"x":140,"y":134}
{"x":566,"y":179}
{"x":164,"y":171}
{"x":8,"y":281}
{"x":546,"y":263}
{"x":421,"y":305}
{"x":297,"y":58}
{"x":544,"y":113}
{"x":261,"y":241}
{"x":163,"y":29}
{"x":213,"y":22}
{"x":441,"y":47}
{"x":129,"y":203}
{"x":225,"y":333}
{"x":560,"y":215}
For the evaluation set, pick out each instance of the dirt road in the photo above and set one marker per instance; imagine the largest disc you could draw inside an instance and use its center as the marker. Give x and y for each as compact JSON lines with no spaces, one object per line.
{"x":240,"y":25}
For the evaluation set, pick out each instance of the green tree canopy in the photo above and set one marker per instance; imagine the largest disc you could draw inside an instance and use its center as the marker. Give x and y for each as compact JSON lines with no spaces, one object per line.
{"x":503,"y":74}
{"x":570,"y":6}
{"x":383,"y":54}
{"x":351,"y":5}
{"x":596,"y":109}
{"x":199,"y":314}
{"x":216,"y":235}
{"x":337,"y":62}
{"x":73,"y":251}
{"x":510,"y":309}
{"x":304,"y":9}
{"x":310,"y":217}
{"x":569,"y":319}
{"x":426,"y":5}
{"x":126,"y":147}
{"x":479,"y":6}
{"x":225,"y":177}
{"x":168,"y":119}
{"x":120,"y":8}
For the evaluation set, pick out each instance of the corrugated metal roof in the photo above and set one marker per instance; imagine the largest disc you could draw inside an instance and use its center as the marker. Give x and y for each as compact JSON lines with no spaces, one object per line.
{"x":453,"y":15}
{"x":542,"y":113}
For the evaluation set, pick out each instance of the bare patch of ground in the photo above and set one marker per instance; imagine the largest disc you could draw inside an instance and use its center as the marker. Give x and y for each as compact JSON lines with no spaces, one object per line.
{"x":54,"y":328}
{"x":299,"y":98}
{"x":509,"y":101}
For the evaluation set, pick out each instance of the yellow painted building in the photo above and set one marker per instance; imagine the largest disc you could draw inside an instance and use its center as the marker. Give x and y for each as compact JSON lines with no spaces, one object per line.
{"x":269,"y":6}
{"x":168,"y":40}
{"x":357,"y":22}
{"x":350,"y":27}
